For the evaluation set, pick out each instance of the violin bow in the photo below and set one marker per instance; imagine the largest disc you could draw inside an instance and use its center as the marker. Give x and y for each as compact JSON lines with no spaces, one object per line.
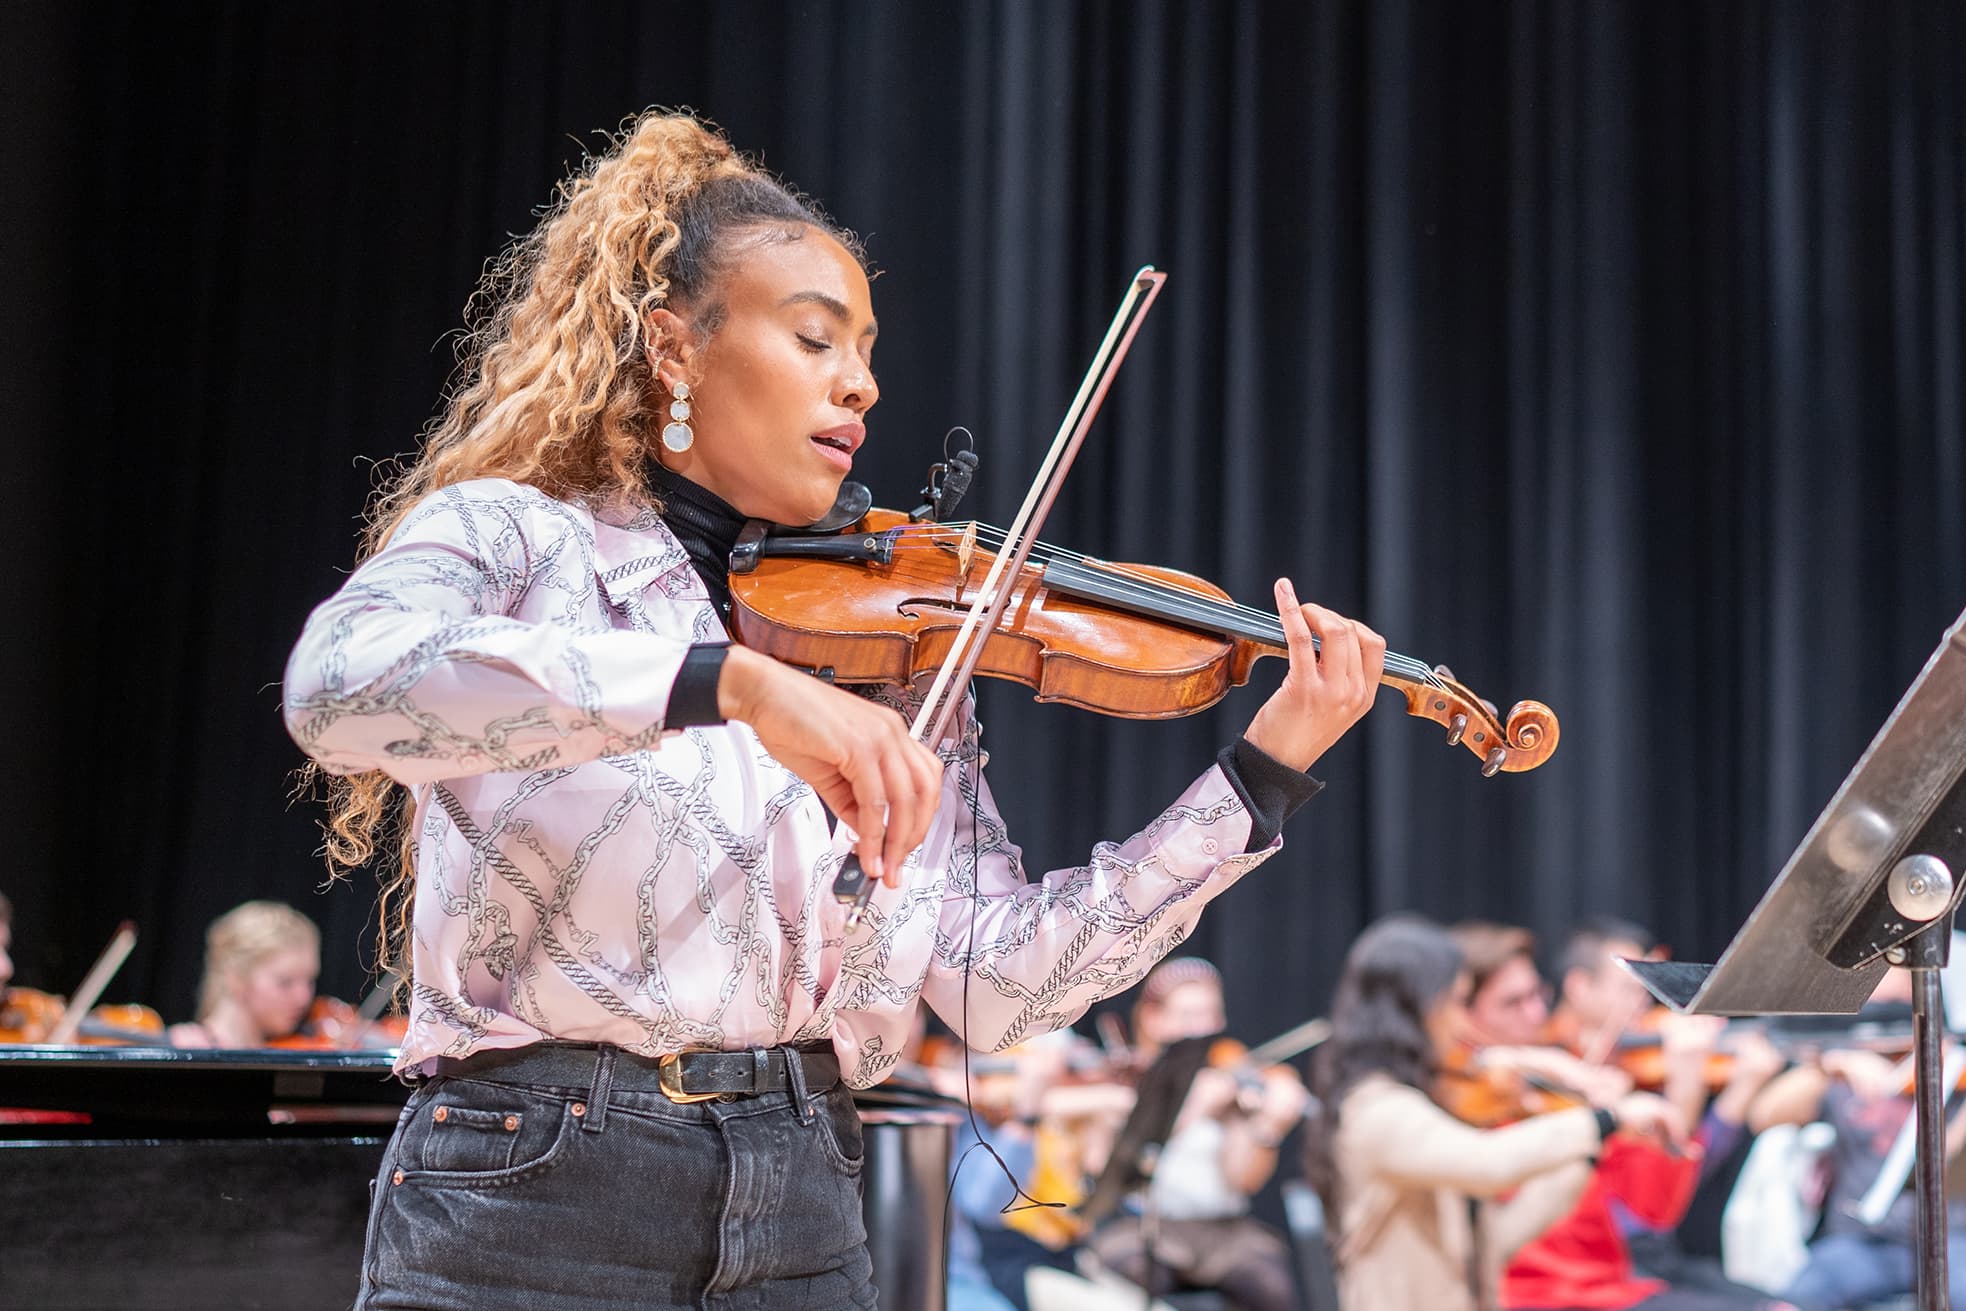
{"x":851,"y":886}
{"x":368,"y":1013}
{"x":94,"y":982}
{"x":1292,"y":1042}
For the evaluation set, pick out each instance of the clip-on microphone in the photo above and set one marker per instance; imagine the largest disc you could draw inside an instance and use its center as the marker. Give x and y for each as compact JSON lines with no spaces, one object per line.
{"x":947,"y":482}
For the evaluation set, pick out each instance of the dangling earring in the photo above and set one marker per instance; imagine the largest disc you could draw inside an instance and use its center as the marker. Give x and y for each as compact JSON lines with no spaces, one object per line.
{"x":677,"y":435}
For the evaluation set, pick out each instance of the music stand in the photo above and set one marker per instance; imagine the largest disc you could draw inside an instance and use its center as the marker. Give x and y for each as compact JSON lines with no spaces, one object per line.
{"x":1873,"y":884}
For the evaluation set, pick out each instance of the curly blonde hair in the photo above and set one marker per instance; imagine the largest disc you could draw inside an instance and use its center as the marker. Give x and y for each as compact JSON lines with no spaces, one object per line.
{"x":554,"y":386}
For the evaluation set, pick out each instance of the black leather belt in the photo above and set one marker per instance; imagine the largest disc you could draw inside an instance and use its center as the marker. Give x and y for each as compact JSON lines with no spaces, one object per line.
{"x":685,"y":1077}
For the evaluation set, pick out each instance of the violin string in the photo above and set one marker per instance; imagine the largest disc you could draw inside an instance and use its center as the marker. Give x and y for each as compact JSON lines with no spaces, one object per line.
{"x":1188,"y":604}
{"x":1046,"y":553}
{"x":1180,"y":602}
{"x":1140,"y":585}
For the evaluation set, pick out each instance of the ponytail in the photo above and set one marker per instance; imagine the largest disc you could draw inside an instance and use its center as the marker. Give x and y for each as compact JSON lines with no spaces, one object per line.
{"x":554,"y":386}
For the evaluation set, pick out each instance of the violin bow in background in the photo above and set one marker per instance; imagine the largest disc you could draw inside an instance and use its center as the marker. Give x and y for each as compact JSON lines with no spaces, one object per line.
{"x":94,"y":982}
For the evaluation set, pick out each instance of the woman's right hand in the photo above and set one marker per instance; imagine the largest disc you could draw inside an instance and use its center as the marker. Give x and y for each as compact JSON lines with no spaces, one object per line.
{"x":857,"y":755}
{"x":1651,"y":1115}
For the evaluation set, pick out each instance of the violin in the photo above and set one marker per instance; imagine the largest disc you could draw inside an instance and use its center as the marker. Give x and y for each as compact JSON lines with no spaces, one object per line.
{"x":1641,"y":1053}
{"x":882,"y":601}
{"x":334,"y":1025}
{"x":28,"y":1015}
{"x":330,"y":1025}
{"x":1488,"y":1096}
{"x":1247,"y":1065}
{"x":31,"y":1016}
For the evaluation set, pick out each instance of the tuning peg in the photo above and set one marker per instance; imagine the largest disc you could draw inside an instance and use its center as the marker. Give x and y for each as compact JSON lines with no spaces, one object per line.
{"x":1455,"y":729}
{"x":1493,"y":764}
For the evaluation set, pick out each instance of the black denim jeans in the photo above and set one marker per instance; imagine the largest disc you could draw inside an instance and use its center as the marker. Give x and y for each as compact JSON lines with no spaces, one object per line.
{"x":498,"y":1192}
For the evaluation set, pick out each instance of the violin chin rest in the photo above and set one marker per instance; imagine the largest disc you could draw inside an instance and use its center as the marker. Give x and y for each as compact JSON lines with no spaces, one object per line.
{"x":849,"y":508}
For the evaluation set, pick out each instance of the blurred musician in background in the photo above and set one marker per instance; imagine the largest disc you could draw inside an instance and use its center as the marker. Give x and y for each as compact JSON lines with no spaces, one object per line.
{"x":1509,"y":1003}
{"x":261,"y":963}
{"x":1180,"y":998}
{"x":1507,"y":1031}
{"x":993,"y":1232}
{"x":1616,"y":1248}
{"x":1413,"y":1194}
{"x":6,"y":943}
{"x":1865,"y":1251}
{"x":1223,"y":1149}
{"x":23,"y":1015}
{"x":28,"y":1015}
{"x":1598,"y":999}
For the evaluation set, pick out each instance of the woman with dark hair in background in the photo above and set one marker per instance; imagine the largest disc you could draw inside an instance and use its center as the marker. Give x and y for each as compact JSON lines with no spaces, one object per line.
{"x":635,"y":1009}
{"x":1410,"y":1189}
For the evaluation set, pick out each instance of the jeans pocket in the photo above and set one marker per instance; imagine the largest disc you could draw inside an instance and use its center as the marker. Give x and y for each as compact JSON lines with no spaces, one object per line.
{"x":840,"y":1131}
{"x":483,"y":1135}
{"x":470,"y":1138}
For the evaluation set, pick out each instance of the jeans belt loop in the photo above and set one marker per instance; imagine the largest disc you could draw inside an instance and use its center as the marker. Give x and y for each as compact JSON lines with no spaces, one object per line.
{"x":597,"y":1097}
{"x":795,"y":1074}
{"x":760,"y":1070}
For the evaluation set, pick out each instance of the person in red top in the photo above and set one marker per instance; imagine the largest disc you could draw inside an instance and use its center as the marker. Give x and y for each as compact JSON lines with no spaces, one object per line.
{"x":1585,"y":1260}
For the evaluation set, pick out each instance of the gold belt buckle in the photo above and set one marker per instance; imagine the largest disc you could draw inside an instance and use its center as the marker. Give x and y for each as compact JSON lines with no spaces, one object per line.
{"x":669,"y":1078}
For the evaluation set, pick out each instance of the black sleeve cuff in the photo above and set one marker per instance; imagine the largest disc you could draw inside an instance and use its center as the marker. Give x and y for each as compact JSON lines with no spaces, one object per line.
{"x":1607,"y":1124}
{"x":693,"y":696}
{"x":1271,"y":791}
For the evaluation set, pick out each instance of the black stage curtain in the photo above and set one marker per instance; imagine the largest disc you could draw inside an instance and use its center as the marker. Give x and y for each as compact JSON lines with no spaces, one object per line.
{"x":1609,"y":353}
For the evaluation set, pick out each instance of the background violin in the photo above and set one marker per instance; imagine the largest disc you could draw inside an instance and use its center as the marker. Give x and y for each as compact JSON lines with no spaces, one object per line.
{"x":28,"y":1015}
{"x":1487,"y":1095}
{"x":330,"y":1025}
{"x":334,"y":1025}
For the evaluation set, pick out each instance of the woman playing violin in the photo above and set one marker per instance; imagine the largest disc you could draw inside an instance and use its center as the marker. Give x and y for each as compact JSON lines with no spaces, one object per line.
{"x":635,"y":1011}
{"x":1412,"y":1191}
{"x":261,"y":962}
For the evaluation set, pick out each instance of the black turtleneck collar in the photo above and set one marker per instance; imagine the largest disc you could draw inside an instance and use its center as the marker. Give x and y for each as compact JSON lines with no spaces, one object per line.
{"x":706,"y":525}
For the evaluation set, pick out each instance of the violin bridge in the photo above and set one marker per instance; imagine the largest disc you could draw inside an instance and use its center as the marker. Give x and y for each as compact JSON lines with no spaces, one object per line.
{"x":966,"y":552}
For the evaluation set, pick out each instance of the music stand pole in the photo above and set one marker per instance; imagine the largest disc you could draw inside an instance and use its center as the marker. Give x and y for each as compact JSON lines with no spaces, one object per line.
{"x":1925,"y":955}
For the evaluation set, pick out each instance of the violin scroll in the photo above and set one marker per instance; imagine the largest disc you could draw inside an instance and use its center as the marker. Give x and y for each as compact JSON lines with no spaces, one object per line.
{"x":1523,"y":741}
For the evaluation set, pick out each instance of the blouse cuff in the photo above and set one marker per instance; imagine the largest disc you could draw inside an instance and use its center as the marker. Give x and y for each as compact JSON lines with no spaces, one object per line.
{"x":1271,"y":791}
{"x":693,"y":696}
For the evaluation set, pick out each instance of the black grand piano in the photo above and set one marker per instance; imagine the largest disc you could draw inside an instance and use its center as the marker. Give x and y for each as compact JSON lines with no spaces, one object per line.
{"x":152,"y":1178}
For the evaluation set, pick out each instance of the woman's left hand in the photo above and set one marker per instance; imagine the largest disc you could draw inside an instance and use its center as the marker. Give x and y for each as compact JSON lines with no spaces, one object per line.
{"x":1325,"y":693}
